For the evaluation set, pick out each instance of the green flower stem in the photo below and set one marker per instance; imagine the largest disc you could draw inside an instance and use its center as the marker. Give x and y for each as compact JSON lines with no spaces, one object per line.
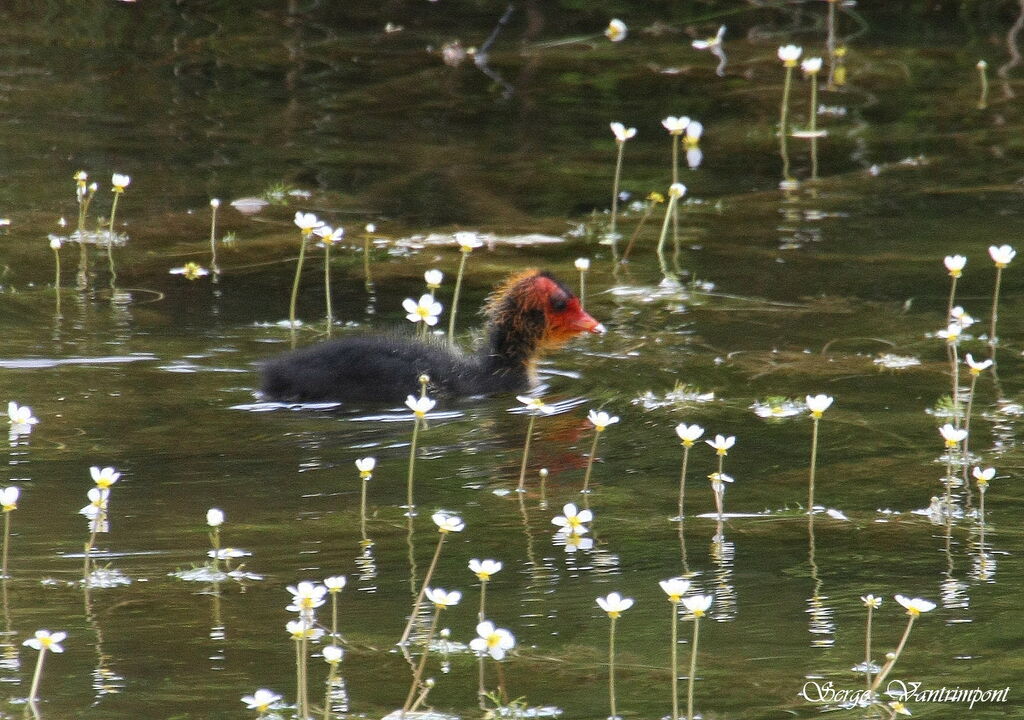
{"x":981,"y":527}
{"x":675,"y":661}
{"x":418,"y":675}
{"x":615,"y":187}
{"x":295,"y":283}
{"x":37,"y":676}
{"x":983,"y":97}
{"x":366,"y":261}
{"x":526,"y":452}
{"x":867,"y":649}
{"x":880,"y":678}
{"x":954,"y":371}
{"x":583,"y":286}
{"x":362,"y":508}
{"x":669,"y":210}
{"x":410,"y":507}
{"x":481,"y":615}
{"x":682,"y":481}
{"x":636,"y":231}
{"x":590,"y":462}
{"x":967,"y":427}
{"x":213,"y":240}
{"x":784,"y":123}
{"x":813,"y":114}
{"x":423,"y":590}
{"x":455,"y":296}
{"x":7,"y":538}
{"x":693,"y":668}
{"x":331,"y":675}
{"x":952,"y":296}
{"x":611,"y":668}
{"x":995,"y":313}
{"x":334,"y":616}
{"x":675,"y":179}
{"x":814,"y":462}
{"x":304,"y":687}
{"x":110,"y":237}
{"x":949,"y":482}
{"x":327,"y":285}
{"x":215,"y":544}
{"x":298,"y":677}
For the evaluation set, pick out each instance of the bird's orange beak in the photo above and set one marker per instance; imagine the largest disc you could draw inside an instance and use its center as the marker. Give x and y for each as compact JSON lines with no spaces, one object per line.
{"x":579,"y":320}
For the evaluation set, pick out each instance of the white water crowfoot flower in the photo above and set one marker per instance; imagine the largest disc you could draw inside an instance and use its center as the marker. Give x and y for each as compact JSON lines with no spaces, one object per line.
{"x":818,"y":404}
{"x":710,"y":42}
{"x":675,"y":588}
{"x":718,"y":481}
{"x":20,"y":417}
{"x":982,"y":476}
{"x":306,"y":597}
{"x":433,"y":278}
{"x":426,"y":310}
{"x":789,"y":54}
{"x":307,"y":223}
{"x":97,"y":502}
{"x":335,"y":583}
{"x":9,"y":498}
{"x":303,"y":629}
{"x":953,"y":436}
{"x":485,"y":568}
{"x":621,"y":132}
{"x":572,"y":521}
{"x":45,"y":640}
{"x":332,"y":654}
{"x":104,"y":477}
{"x":721,"y":444}
{"x":214,"y":517}
{"x":698,"y":604}
{"x":536,"y":405}
{"x":468,"y":241}
{"x":442,"y":598}
{"x":420,"y":406}
{"x":950,"y":334}
{"x":689,"y":434}
{"x":191,"y":271}
{"x":491,"y":640}
{"x":871,"y":601}
{"x":811,"y":66}
{"x":616,"y":30}
{"x":601,"y":420}
{"x":960,"y":317}
{"x":955,"y":264}
{"x":329,"y":235}
{"x":261,"y":701}
{"x":447,"y":523}
{"x":915,"y":606}
{"x":614,"y":604}
{"x":976,"y":368}
{"x":675,"y":125}
{"x":582,"y":264}
{"x":1002,"y":255}
{"x":119,"y":182}
{"x":365,"y":466}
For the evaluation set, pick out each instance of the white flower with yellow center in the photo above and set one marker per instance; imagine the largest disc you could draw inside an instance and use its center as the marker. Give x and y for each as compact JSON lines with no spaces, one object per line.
{"x":811,"y":66}
{"x":572,"y":521}
{"x":982,"y":476}
{"x":365,"y":467}
{"x":261,"y":700}
{"x":105,"y":477}
{"x":420,"y":406}
{"x":601,"y":420}
{"x":616,"y":30}
{"x":789,"y":54}
{"x":711,"y":42}
{"x":426,"y":310}
{"x":818,"y":404}
{"x":332,"y":654}
{"x":718,"y":481}
{"x":951,"y":334}
{"x":535,"y":405}
{"x":689,"y":434}
{"x":871,"y":601}
{"x":721,"y":444}
{"x":484,"y":568}
{"x":303,"y":628}
{"x":97,"y":502}
{"x":307,"y":223}
{"x":20,"y":416}
{"x":448,"y":523}
{"x":952,"y":435}
{"x":491,"y":640}
{"x":55,"y":242}
{"x":191,"y":271}
{"x":433,"y":279}
{"x":915,"y":606}
{"x":621,"y":132}
{"x":675,"y":125}
{"x":120,"y":182}
{"x":976,"y":368}
{"x":582,"y":264}
{"x":694,"y":132}
{"x":898,"y":708}
{"x":329,"y":235}
{"x":675,"y":588}
{"x":442,"y":598}
{"x":214,"y":517}
{"x":468,"y":241}
{"x":698,"y":604}
{"x":574,"y":542}
{"x":306,"y":597}
{"x":676,"y":190}
{"x":45,"y":640}
{"x":955,"y":264}
{"x":335,"y":583}
{"x":1002,"y":255}
{"x":614,"y":604}
{"x":9,"y":498}
{"x":960,"y":317}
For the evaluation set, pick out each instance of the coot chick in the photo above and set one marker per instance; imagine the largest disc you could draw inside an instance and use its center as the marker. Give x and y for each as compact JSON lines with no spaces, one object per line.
{"x":528,"y":314}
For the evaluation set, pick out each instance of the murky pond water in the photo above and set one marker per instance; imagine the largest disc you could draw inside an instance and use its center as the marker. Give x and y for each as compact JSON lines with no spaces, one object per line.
{"x":376,"y":113}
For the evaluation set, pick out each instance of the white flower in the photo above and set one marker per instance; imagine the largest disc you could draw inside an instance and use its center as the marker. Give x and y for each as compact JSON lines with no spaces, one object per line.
{"x":45,"y":640}
{"x":535,"y":404}
{"x":55,"y":242}
{"x":789,"y":54}
{"x":915,"y":606}
{"x":982,"y":476}
{"x":303,"y":628}
{"x":675,"y":125}
{"x":335,"y":583}
{"x":811,"y":66}
{"x":261,"y":700}
{"x":676,"y":190}
{"x":675,"y":588}
{"x":981,"y":65}
{"x":818,"y":404}
{"x":697,"y":604}
{"x":332,"y":654}
{"x":20,"y":415}
{"x":442,"y":598}
{"x":191,"y":271}
{"x":420,"y":406}
{"x":616,"y":30}
{"x":215,"y":203}
{"x":365,"y":466}
{"x":621,"y":133}
{"x":214,"y":517}
{"x":694,"y":131}
{"x":614,"y":604}
{"x":689,"y":434}
{"x":104,"y":478}
{"x":120,"y":182}
{"x":492,"y":640}
{"x":601,"y":420}
{"x":328,"y":235}
{"x":952,"y":435}
{"x":721,"y":444}
{"x":582,"y":264}
{"x":426,"y":310}
{"x":1002,"y":255}
{"x":960,"y":317}
{"x":9,"y":498}
{"x":448,"y":523}
{"x":468,"y":241}
{"x":306,"y":597}
{"x":951,"y":334}
{"x":718,"y":479}
{"x":574,"y":542}
{"x":307,"y":222}
{"x":711,"y":42}
{"x":955,"y":264}
{"x":433,"y":278}
{"x":484,"y":568}
{"x":871,"y":601}
{"x":228,"y":553}
{"x":97,"y":502}
{"x":571,"y":521}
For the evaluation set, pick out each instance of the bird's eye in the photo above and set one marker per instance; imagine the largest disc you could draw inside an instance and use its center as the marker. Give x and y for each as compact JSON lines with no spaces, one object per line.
{"x":559,"y":303}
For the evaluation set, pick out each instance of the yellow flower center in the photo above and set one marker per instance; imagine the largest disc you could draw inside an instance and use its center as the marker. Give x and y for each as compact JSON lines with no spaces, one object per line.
{"x":955,"y":273}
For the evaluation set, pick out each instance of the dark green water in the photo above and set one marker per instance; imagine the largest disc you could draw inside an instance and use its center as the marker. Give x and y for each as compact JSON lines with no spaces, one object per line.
{"x":784,"y":293}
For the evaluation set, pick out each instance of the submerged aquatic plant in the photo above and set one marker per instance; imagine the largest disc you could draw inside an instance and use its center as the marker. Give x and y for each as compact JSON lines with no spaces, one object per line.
{"x":600,"y":421}
{"x":536,"y":408}
{"x":118,"y":182}
{"x":675,"y":588}
{"x":468,"y":242}
{"x":622,"y":135}
{"x":614,"y":604}
{"x":817,"y":404}
{"x":952,"y":436}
